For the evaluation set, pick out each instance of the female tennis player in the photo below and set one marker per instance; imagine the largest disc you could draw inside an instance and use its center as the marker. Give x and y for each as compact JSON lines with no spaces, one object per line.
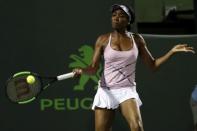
{"x":117,"y":87}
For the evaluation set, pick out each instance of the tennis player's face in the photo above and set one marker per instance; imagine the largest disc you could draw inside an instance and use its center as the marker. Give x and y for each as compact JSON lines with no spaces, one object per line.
{"x":119,"y":20}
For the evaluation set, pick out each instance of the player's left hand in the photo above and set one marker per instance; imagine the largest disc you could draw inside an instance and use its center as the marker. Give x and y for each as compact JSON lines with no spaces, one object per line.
{"x":182,"y":48}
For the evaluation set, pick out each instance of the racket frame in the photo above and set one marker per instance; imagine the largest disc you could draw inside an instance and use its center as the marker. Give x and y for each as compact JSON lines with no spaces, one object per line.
{"x":42,"y":80}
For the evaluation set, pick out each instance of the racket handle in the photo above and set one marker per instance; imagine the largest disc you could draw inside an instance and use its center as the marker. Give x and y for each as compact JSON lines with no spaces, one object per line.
{"x":65,"y":76}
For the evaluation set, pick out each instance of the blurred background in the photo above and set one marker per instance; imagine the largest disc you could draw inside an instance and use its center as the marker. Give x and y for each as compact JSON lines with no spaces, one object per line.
{"x":166,"y":16}
{"x":53,"y":37}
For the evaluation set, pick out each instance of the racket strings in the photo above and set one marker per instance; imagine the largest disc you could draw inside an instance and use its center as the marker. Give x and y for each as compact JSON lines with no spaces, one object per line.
{"x":22,"y":87}
{"x":19,"y":90}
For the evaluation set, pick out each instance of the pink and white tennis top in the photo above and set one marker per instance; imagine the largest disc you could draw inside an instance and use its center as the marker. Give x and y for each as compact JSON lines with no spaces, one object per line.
{"x":119,"y":67}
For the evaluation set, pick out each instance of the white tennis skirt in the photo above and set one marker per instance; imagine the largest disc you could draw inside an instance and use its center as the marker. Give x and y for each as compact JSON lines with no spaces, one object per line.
{"x":111,"y":98}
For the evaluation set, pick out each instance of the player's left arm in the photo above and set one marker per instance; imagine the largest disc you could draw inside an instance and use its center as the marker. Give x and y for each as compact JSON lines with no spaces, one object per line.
{"x":152,"y":62}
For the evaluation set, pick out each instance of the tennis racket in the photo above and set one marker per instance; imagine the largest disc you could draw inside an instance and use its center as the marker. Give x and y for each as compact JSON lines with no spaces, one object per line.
{"x":21,"y":91}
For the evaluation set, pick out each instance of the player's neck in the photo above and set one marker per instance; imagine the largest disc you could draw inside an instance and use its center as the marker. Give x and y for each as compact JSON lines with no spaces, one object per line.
{"x":120,"y":32}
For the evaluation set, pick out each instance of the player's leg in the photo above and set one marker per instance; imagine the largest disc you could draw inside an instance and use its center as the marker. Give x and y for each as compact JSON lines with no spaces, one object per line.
{"x":103,"y":119}
{"x":193,"y":104}
{"x":130,"y":111}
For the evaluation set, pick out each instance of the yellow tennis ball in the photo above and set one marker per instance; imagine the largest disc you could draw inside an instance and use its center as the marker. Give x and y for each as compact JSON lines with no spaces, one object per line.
{"x":30,"y":79}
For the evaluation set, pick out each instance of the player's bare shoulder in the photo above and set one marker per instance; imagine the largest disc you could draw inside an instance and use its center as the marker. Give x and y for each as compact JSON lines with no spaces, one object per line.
{"x":139,"y":40}
{"x":103,"y":39}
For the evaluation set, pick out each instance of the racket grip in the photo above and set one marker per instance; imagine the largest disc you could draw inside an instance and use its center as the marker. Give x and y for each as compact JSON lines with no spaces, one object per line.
{"x":65,"y":76}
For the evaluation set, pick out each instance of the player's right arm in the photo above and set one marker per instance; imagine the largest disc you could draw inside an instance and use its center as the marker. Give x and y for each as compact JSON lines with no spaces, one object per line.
{"x":98,"y":51}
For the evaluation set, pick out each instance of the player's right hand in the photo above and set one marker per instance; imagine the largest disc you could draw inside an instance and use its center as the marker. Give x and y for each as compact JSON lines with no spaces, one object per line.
{"x":77,"y":72}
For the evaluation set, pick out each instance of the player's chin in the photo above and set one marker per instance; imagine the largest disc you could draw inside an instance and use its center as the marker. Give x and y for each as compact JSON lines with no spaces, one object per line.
{"x":116,"y":27}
